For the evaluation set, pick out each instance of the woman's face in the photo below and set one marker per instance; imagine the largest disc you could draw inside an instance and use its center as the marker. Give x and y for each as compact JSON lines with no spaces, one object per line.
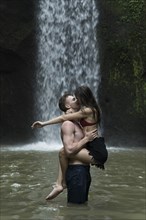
{"x":78,"y":100}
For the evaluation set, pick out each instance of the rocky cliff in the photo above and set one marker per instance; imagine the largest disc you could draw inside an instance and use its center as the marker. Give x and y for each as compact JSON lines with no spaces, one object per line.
{"x":121,"y":33}
{"x":17,"y":57}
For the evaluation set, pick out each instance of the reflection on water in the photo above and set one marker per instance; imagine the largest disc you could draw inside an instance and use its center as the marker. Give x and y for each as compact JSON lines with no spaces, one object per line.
{"x":27,"y":177}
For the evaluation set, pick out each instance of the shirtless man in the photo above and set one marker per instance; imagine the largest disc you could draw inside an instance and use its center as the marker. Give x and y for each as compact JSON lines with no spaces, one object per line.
{"x":77,"y":177}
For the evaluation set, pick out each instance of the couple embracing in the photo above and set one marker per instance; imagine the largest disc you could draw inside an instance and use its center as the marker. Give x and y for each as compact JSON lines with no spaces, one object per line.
{"x":82,"y":144}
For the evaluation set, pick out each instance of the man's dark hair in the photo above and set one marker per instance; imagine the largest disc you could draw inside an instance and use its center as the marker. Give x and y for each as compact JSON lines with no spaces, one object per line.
{"x":62,"y":102}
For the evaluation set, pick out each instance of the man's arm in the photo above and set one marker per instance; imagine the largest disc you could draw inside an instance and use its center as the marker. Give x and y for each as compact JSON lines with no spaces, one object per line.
{"x":68,"y":134}
{"x":72,"y":148}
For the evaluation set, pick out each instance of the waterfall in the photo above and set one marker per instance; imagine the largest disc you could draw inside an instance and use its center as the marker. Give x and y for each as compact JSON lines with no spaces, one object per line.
{"x":67,"y":55}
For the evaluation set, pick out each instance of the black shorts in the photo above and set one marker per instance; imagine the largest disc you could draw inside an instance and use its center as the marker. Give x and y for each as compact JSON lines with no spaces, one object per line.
{"x":78,"y":180}
{"x":97,"y":149}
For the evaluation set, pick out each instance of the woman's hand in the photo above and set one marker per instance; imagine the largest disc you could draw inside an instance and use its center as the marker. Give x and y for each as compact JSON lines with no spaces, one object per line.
{"x":37,"y":124}
{"x":91,"y":135}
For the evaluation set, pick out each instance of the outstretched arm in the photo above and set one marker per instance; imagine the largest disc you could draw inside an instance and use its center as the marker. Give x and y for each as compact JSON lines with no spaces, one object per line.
{"x":40,"y":124}
{"x":70,"y":116}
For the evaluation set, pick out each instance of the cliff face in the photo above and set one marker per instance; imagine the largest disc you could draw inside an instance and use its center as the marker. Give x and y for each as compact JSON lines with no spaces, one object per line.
{"x":122,"y":45}
{"x":122,"y":31}
{"x":17,"y":56}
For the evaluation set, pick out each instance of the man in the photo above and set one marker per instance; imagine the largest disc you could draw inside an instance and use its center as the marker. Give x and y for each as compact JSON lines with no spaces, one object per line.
{"x":76,"y":175}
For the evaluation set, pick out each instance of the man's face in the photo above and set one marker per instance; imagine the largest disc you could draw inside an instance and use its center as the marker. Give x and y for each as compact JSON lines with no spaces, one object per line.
{"x":71,"y":102}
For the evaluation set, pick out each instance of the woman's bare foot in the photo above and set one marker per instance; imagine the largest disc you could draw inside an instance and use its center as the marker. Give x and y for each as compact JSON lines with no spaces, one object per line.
{"x":64,"y":185}
{"x":55,"y":192}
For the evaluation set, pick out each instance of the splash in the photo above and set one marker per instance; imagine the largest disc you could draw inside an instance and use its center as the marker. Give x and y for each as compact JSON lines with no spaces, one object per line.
{"x":39,"y":146}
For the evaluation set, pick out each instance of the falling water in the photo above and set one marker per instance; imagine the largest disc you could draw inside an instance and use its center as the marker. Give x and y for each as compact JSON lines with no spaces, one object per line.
{"x":67,"y":54}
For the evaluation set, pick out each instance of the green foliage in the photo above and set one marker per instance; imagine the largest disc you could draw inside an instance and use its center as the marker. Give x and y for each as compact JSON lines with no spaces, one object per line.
{"x":139,"y":86}
{"x":126,"y":49}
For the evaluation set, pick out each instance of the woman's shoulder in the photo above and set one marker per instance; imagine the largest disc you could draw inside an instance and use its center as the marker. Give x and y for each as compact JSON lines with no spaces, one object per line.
{"x":87,"y":110}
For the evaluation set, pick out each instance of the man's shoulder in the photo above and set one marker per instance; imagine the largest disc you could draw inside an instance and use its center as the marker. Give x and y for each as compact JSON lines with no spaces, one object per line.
{"x":68,"y":123}
{"x":67,"y":126}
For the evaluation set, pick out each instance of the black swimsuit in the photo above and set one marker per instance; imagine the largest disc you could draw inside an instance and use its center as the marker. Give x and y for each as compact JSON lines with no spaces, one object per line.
{"x":97,"y":148}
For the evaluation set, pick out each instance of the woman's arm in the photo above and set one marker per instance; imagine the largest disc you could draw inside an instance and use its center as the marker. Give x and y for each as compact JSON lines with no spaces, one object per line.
{"x":40,"y":124}
{"x":70,"y":116}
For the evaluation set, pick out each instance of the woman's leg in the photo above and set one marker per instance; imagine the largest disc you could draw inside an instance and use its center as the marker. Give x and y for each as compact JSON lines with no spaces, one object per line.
{"x":59,"y":186}
{"x":82,"y":156}
{"x":63,"y":160}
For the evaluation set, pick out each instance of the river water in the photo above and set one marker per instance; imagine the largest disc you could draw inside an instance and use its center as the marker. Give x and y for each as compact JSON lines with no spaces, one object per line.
{"x":28,"y":173}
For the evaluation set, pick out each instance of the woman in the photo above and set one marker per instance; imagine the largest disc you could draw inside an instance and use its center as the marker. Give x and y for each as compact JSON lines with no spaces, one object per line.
{"x":90,"y":121}
{"x":89,"y":118}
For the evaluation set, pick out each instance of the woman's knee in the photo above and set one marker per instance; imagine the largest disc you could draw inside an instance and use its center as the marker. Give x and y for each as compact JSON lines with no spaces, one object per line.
{"x":62,"y":152}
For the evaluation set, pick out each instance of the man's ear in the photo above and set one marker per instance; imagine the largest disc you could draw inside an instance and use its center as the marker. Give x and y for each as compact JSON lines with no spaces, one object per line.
{"x":69,"y":111}
{"x":67,"y":106}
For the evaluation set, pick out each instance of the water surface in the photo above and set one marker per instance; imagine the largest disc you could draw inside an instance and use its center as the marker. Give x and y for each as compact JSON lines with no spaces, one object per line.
{"x":28,"y":173}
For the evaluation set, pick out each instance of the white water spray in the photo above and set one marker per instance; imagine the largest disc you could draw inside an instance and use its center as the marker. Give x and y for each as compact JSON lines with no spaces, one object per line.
{"x":67,"y":55}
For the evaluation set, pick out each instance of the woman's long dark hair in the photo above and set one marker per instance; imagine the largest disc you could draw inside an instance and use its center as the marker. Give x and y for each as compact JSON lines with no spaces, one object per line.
{"x":86,"y":98}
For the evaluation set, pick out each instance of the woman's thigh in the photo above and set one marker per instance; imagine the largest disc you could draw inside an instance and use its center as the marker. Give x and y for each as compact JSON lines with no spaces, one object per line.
{"x":83,"y":156}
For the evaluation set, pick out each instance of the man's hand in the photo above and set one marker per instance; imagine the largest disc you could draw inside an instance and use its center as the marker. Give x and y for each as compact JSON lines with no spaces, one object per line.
{"x":91,"y":135}
{"x":37,"y":124}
